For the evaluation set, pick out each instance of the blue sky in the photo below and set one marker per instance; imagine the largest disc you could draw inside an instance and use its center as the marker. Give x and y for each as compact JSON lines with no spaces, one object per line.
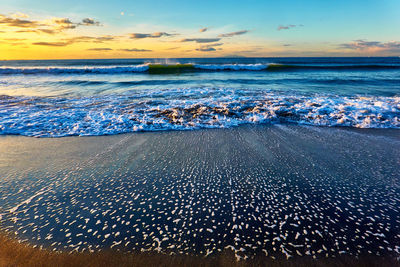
{"x":308,"y":27}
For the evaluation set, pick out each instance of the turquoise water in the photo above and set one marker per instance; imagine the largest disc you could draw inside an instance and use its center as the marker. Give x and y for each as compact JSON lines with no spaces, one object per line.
{"x":98,"y":97}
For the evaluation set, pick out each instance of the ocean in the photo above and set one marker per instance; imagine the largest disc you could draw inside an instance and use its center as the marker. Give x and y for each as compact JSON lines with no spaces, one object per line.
{"x":57,"y":98}
{"x":306,"y":167}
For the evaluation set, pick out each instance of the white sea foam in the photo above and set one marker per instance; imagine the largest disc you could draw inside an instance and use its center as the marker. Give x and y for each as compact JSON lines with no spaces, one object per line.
{"x":74,"y":70}
{"x":254,"y":67}
{"x":170,"y":66}
{"x":115,"y":69}
{"x":190,"y":108}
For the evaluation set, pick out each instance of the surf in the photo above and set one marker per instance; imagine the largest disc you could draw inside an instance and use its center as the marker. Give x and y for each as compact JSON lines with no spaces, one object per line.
{"x":189,"y":109}
{"x":158,"y":68}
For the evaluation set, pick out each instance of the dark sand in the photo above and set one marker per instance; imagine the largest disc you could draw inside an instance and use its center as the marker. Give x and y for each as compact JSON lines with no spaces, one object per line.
{"x":279,"y":194}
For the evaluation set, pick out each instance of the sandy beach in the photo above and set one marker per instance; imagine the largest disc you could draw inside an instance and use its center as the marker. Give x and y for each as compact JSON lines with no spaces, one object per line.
{"x":283,"y":193}
{"x":199,"y":133}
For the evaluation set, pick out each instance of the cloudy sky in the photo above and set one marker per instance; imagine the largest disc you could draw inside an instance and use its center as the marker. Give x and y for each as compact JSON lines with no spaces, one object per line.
{"x":52,"y":29}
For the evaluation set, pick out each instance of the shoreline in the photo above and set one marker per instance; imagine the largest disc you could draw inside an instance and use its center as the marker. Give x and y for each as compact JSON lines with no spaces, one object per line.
{"x":287,"y":189}
{"x":122,"y":58}
{"x":13,"y":253}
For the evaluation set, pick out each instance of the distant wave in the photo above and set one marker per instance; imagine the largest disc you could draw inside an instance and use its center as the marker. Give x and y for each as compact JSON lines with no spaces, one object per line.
{"x":176,"y":68}
{"x":187,"y":109}
{"x":75,"y":70}
{"x":334,"y":67}
{"x":244,"y":81}
{"x":219,"y":67}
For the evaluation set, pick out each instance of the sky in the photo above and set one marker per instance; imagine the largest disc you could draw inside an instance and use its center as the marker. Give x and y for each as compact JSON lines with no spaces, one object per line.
{"x":52,"y":29}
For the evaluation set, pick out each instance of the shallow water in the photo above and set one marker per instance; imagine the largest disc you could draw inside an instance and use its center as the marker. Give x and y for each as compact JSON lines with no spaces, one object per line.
{"x":283,"y":191}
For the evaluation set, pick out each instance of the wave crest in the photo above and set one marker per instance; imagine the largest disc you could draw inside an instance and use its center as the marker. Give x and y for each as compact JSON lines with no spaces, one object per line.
{"x":75,"y":70}
{"x":189,"y":67}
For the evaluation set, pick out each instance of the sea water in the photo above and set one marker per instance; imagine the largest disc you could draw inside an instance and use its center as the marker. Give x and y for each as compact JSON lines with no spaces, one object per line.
{"x":55,"y":98}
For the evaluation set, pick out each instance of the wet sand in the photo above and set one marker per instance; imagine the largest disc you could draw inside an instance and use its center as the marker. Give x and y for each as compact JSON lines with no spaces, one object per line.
{"x":282,"y":193}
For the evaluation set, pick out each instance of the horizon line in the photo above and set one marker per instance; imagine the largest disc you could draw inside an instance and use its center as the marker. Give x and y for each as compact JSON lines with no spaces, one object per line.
{"x":232,"y":57}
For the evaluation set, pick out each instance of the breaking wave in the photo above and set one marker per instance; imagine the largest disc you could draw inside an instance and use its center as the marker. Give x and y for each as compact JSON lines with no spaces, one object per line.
{"x":187,"y":109}
{"x":74,"y":70}
{"x":176,"y":68}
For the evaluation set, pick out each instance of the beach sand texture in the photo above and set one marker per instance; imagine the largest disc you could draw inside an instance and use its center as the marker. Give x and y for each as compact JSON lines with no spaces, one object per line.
{"x":281,"y":192}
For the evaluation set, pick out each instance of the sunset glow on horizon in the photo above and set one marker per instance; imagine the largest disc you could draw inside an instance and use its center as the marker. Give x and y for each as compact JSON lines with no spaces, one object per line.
{"x":175,"y":29}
